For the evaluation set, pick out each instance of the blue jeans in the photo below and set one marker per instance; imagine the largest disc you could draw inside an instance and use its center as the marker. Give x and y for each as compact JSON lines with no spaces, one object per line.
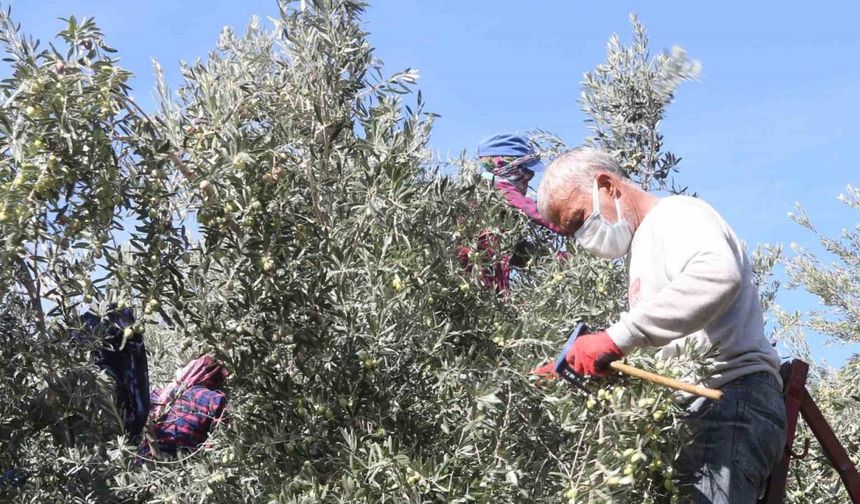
{"x":736,"y":441}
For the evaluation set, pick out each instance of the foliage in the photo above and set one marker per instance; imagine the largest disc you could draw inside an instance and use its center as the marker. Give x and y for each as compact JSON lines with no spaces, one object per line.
{"x":283,"y":214}
{"x":64,"y":183}
{"x":837,"y":286}
{"x":626,"y":98}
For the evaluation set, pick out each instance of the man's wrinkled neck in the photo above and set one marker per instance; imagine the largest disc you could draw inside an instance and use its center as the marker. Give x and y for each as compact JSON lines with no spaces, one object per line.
{"x":643,"y":203}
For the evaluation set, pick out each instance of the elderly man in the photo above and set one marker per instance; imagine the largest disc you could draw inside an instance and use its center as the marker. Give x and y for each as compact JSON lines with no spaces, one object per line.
{"x":690,"y":282}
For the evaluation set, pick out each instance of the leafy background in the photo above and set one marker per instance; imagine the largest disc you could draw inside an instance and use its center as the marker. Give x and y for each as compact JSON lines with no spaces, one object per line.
{"x":775,"y":95}
{"x":367,"y":365}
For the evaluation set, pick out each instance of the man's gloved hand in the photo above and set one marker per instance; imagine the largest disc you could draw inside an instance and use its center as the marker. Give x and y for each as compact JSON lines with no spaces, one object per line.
{"x":592,"y":353}
{"x":545,"y":372}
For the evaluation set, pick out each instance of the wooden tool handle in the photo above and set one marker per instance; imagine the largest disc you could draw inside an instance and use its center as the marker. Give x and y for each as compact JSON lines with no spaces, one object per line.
{"x":672,"y":383}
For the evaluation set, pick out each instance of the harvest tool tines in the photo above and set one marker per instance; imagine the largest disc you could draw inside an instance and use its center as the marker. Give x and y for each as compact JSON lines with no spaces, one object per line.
{"x":561,"y":367}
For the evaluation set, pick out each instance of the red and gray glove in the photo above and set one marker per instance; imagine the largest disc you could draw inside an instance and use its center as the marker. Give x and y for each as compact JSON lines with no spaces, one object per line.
{"x":592,"y":353}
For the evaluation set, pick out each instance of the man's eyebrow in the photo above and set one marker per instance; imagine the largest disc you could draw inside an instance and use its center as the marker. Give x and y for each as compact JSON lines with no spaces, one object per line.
{"x":580,"y":219}
{"x":574,"y":224}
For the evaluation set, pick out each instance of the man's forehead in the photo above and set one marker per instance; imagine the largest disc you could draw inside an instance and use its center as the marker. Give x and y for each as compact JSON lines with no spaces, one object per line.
{"x":555,"y":207}
{"x":575,"y":199}
{"x":569,"y":210}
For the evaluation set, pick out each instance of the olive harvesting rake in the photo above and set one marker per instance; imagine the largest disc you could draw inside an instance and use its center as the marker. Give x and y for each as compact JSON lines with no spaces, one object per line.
{"x":563,"y":370}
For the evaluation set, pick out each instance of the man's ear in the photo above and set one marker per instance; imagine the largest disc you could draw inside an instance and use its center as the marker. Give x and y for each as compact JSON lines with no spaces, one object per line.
{"x":608,"y":182}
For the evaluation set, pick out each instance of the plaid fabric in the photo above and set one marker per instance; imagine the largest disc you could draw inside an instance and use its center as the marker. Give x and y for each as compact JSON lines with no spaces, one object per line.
{"x":203,"y":370}
{"x":189,"y":419}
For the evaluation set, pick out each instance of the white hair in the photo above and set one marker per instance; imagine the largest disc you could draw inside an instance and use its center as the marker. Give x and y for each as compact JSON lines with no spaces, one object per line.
{"x":575,"y":169}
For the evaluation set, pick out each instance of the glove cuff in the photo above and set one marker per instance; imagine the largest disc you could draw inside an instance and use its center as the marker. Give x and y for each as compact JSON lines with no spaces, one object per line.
{"x":622,"y":337}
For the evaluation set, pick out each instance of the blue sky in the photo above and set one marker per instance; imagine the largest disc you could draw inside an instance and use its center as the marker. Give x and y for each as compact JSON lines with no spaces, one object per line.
{"x":772,"y":121}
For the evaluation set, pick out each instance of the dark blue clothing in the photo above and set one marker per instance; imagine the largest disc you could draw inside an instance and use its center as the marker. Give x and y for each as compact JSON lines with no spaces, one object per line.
{"x":736,"y":441}
{"x":14,"y":478}
{"x":125,"y":362}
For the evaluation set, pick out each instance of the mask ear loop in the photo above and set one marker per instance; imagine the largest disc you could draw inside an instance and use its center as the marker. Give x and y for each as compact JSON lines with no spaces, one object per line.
{"x":618,"y":210}
{"x":595,"y":211}
{"x":596,"y":202}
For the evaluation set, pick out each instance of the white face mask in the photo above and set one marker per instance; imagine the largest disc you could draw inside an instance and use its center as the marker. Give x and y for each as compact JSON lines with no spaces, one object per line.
{"x":609,"y":241}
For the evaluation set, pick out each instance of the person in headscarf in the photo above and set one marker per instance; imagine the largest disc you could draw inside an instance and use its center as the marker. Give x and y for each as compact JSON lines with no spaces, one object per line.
{"x":509,"y":162}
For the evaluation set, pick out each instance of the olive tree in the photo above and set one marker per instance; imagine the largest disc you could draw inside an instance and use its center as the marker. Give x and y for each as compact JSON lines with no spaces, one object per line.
{"x":284,"y":214}
{"x":71,"y":143}
{"x":836,"y":285}
{"x":625,"y":99}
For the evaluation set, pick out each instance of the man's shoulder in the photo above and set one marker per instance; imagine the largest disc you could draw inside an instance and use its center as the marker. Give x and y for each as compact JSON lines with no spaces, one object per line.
{"x":685,"y":207}
{"x":684,"y":216}
{"x":683,"y":201}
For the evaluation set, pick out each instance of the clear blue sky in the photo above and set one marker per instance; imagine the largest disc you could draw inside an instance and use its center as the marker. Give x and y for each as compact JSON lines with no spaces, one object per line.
{"x":774,"y":119}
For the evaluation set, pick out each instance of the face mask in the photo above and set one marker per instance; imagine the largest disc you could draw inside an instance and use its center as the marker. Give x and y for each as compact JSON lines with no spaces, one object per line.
{"x":609,"y":241}
{"x":509,"y":169}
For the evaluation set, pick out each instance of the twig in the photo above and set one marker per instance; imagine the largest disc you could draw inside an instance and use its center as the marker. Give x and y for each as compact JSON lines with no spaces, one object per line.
{"x":578,"y":447}
{"x":505,"y":424}
{"x":35,"y":298}
{"x":582,"y":473}
{"x":181,"y":166}
{"x":315,"y":196}
{"x":173,"y":156}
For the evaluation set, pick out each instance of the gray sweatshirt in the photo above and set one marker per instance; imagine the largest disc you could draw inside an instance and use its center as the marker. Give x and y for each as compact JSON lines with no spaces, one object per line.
{"x":691,"y":280}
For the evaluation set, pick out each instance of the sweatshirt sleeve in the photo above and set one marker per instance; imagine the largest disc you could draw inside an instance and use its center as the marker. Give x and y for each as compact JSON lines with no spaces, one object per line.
{"x":705,"y":271}
{"x":524,"y":204}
